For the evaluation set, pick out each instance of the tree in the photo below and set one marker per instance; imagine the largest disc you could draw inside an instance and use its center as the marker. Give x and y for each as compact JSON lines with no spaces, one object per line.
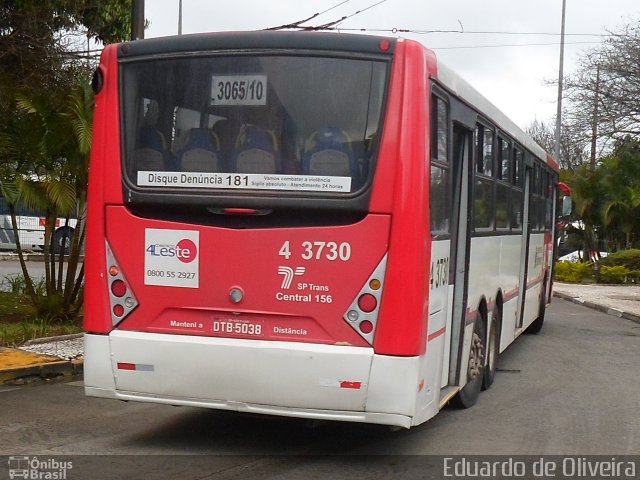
{"x":572,"y":143}
{"x":45,"y":124}
{"x":621,"y":206}
{"x":607,"y":199}
{"x":54,"y":181}
{"x":586,"y":193}
{"x":604,"y":94}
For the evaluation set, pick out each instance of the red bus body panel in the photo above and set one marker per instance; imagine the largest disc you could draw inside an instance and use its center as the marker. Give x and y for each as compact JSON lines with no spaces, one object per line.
{"x":249,"y":260}
{"x":310,"y":310}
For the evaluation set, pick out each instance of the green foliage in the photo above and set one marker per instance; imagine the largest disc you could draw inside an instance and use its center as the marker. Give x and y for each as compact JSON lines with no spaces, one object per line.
{"x":51,"y":307}
{"x":617,"y":274}
{"x":607,"y":199}
{"x":17,"y":284}
{"x":12,"y":334}
{"x":14,"y":283}
{"x":107,"y":21}
{"x":572,"y":272}
{"x":629,"y":259}
{"x":46,"y":110}
{"x":14,"y":305}
{"x":19,"y":321}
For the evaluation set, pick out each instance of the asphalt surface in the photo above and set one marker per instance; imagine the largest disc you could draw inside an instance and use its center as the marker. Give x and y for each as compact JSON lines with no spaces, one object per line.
{"x":571,"y":390}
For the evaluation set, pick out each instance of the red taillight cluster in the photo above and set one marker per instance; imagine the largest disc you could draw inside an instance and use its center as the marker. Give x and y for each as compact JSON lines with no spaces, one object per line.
{"x":367,"y":303}
{"x":362,"y":314}
{"x":118,"y":288}
{"x":366,"y":326}
{"x":121,"y":297}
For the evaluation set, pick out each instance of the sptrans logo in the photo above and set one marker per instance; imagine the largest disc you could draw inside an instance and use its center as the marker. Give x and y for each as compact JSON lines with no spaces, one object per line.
{"x":172,"y":258}
{"x":185,"y":250}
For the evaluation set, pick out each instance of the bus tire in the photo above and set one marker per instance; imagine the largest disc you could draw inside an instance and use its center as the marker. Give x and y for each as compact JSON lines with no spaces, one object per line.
{"x":62,"y":240}
{"x":468,"y":395}
{"x":536,"y":325}
{"x":492,"y":349}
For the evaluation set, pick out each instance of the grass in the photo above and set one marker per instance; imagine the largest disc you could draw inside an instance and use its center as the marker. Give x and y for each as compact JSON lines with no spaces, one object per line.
{"x":19,"y":322}
{"x":14,"y":334}
{"x":15,"y":305}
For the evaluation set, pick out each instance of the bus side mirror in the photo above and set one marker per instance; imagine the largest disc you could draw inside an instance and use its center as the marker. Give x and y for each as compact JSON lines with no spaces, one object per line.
{"x":566,"y":206}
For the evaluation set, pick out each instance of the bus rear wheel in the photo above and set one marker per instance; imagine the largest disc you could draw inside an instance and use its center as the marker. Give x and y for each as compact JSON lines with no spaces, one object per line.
{"x":536,"y":326}
{"x":493,"y":348}
{"x":468,"y":396}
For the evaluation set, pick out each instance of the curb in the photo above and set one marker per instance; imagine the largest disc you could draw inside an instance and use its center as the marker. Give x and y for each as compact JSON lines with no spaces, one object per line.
{"x":18,"y":366}
{"x":59,"y":338}
{"x":601,"y":308}
{"x":28,"y":257}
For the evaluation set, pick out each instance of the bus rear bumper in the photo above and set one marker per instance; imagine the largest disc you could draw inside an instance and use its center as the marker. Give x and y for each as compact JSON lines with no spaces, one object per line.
{"x":319,"y":382}
{"x":309,"y":414}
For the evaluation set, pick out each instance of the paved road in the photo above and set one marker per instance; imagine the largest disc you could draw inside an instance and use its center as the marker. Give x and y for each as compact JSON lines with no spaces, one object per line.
{"x":11,"y":268}
{"x":571,"y":390}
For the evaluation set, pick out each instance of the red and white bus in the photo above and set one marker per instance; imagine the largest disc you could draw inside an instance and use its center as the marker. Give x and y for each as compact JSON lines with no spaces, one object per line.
{"x":312,"y":225}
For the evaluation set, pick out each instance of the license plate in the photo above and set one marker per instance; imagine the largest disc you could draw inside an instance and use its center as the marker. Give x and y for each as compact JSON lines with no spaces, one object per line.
{"x":238,"y":327}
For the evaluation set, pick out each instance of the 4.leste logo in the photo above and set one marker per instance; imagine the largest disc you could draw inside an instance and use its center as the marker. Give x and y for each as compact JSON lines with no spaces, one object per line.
{"x":172,"y":258}
{"x":184,"y":250}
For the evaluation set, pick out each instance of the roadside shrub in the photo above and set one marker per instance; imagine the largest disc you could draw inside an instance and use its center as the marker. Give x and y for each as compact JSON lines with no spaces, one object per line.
{"x":571,"y":272}
{"x":14,"y":283}
{"x":625,"y":258}
{"x":617,"y":274}
{"x":634,"y":276}
{"x":49,"y":308}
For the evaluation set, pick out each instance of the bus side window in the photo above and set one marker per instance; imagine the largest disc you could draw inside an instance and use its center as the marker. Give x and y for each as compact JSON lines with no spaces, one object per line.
{"x":516,"y":190}
{"x":484,"y":150}
{"x":483,"y":191}
{"x":440,"y":198}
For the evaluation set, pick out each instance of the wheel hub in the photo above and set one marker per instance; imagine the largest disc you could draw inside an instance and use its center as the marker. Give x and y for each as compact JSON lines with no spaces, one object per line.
{"x":476,"y":357}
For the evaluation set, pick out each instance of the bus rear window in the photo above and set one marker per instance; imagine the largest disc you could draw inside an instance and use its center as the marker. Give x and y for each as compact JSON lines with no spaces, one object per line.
{"x":283,"y":123}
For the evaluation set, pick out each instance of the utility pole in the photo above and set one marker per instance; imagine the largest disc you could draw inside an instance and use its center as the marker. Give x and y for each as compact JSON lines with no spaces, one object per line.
{"x":137,"y":19}
{"x":594,"y":123}
{"x":180,"y":17}
{"x":556,"y":151}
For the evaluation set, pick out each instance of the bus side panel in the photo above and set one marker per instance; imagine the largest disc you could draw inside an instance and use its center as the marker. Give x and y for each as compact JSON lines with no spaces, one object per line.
{"x":537,"y":252}
{"x":105,"y":148}
{"x":403,"y":316}
{"x":494,"y":267}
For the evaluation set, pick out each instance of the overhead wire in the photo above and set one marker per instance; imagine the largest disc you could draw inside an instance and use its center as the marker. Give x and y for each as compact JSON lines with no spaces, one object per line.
{"x":328,"y":25}
{"x":512,"y":45}
{"x":298,"y":23}
{"x":469,"y":32}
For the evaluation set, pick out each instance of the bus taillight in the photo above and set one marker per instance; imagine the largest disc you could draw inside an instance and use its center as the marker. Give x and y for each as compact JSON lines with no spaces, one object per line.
{"x":367,"y":303}
{"x":362,"y":314}
{"x":121,"y":297}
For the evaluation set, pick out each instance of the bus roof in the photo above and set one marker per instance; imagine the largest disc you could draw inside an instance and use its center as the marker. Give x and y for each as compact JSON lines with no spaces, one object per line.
{"x":325,"y":41}
{"x":466,"y":92}
{"x":202,"y":42}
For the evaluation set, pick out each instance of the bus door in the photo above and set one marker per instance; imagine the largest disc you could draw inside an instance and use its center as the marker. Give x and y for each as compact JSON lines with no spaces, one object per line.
{"x":460,"y":242}
{"x":526,"y":238}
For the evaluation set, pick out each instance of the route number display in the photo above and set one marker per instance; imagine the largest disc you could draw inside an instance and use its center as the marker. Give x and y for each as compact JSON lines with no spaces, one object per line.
{"x":243,"y":90}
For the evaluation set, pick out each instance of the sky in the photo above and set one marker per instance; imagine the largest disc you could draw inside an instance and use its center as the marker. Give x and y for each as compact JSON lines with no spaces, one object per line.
{"x":516,"y":70}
